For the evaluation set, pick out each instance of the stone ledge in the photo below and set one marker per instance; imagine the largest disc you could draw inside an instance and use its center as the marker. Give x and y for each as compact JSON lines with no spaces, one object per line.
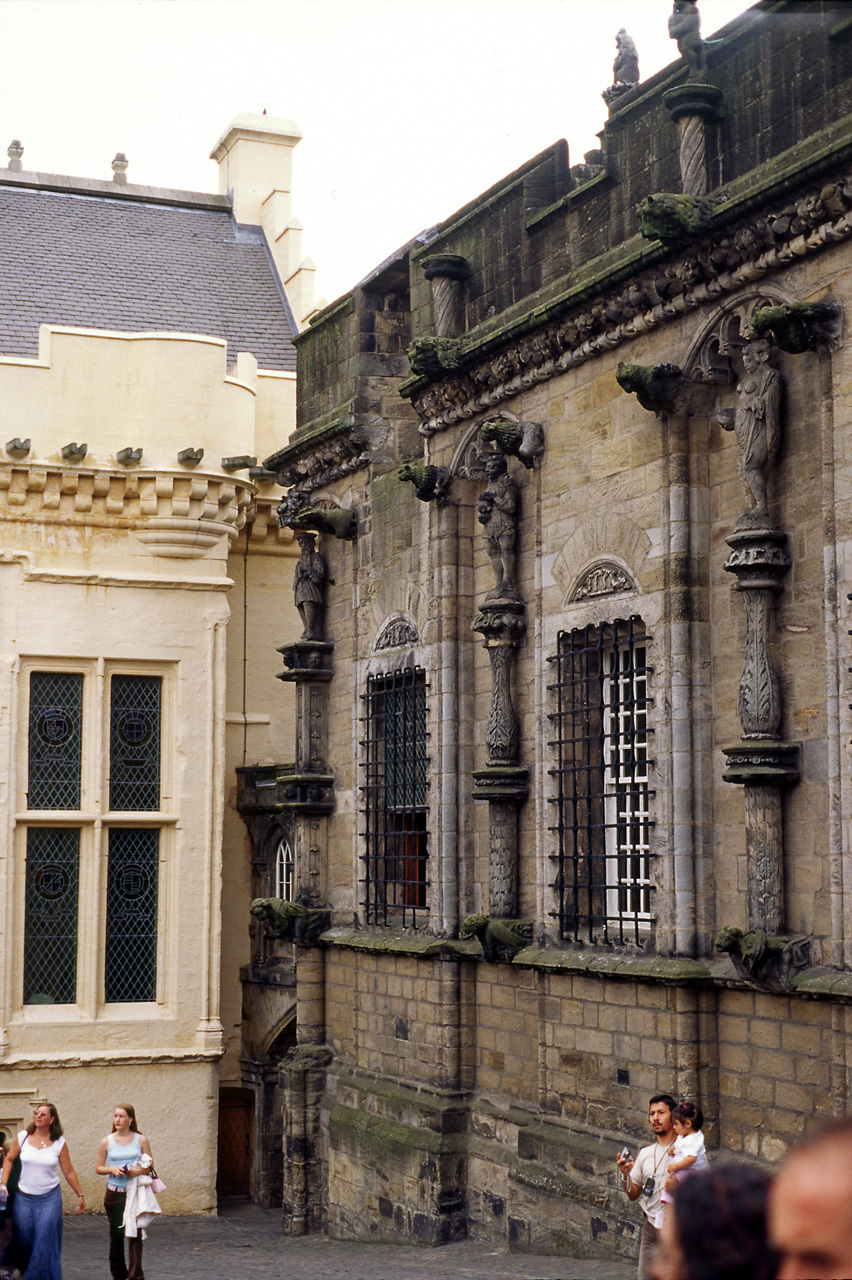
{"x":380,"y":1134}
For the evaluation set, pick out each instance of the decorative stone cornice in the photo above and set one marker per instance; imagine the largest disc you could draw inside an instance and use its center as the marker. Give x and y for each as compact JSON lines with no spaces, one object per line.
{"x":174,"y":514}
{"x":710,"y":268}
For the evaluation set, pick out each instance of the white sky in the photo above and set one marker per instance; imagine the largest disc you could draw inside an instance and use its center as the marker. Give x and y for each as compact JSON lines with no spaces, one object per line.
{"x":409,"y":108}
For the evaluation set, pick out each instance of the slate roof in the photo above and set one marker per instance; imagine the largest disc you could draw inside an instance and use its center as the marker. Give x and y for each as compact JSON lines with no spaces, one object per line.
{"x":89,"y":257}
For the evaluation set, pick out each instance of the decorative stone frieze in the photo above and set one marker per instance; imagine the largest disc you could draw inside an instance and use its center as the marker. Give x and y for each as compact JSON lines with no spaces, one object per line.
{"x":714,"y":266}
{"x":175,"y":515}
{"x":602,"y":580}
{"x":395,"y":633}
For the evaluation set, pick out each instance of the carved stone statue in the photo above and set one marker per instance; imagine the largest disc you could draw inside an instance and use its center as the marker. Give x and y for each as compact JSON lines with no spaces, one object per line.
{"x":431,"y":483}
{"x":671,"y":216}
{"x":498,"y":511}
{"x":309,"y":587}
{"x":769,"y":959}
{"x":625,"y":69}
{"x":756,"y":422}
{"x":500,"y":939}
{"x":685,"y":28}
{"x":521,"y":440}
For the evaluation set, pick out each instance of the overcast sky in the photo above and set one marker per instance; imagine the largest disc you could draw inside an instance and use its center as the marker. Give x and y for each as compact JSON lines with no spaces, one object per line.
{"x":409,"y":108}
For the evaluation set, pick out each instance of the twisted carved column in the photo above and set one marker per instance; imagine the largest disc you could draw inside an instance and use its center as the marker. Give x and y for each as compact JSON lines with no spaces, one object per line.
{"x":447,"y":273}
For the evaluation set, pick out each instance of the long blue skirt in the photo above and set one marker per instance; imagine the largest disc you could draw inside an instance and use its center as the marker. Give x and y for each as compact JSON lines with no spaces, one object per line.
{"x":38,"y":1226}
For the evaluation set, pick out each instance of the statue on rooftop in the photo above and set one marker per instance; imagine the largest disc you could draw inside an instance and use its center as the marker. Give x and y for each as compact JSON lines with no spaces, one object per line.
{"x":625,"y":69}
{"x":685,"y":28}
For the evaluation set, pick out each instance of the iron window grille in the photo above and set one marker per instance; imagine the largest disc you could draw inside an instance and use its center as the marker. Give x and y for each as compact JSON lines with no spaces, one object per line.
{"x":603,"y":800}
{"x":395,"y":794}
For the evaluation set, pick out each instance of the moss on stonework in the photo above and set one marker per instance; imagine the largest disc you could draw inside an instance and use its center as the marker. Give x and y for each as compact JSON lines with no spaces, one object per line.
{"x":403,"y":1096}
{"x":391,"y":942}
{"x":390,"y":1137}
{"x":678,"y":972}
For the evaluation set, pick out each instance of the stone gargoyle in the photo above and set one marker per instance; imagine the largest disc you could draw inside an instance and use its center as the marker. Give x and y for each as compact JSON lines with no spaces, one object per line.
{"x":428,"y":355}
{"x":431,"y":484}
{"x":657,"y":387}
{"x":522,"y":440}
{"x":673,"y":216}
{"x":800,"y":326}
{"x":769,"y":960}
{"x":338,"y":522}
{"x":500,"y":939}
{"x":292,"y":920}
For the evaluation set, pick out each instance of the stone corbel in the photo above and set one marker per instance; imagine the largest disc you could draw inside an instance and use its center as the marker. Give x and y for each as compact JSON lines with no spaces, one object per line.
{"x":672,"y":216}
{"x":431,"y":483}
{"x":521,"y":440}
{"x":432,"y":356}
{"x":801,"y":326}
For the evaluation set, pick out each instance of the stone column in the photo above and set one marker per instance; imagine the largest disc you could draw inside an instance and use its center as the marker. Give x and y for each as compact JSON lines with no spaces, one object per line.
{"x":447,"y":273}
{"x":504,"y":783}
{"x":692,"y":106}
{"x":760,"y":762}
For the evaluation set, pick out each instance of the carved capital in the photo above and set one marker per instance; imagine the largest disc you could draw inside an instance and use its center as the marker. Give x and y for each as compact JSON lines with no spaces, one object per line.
{"x":307,"y":660}
{"x":694,"y":99}
{"x":501,"y":622}
{"x":307,"y":792}
{"x":759,"y":558}
{"x":765,"y":763}
{"x":509,"y":784}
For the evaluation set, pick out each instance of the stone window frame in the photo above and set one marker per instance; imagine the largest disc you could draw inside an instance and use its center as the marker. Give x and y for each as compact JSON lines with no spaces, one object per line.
{"x":94,"y":820}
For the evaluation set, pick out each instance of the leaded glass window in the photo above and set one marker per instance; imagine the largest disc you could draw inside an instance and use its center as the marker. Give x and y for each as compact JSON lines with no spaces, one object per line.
{"x":602,"y":776}
{"x":130,"y":971}
{"x":50,"y":929}
{"x":395,"y":793}
{"x":55,"y":740}
{"x":134,"y":754}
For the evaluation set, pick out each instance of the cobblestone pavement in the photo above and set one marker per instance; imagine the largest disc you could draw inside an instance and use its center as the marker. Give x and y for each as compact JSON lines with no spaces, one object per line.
{"x":245,"y":1243}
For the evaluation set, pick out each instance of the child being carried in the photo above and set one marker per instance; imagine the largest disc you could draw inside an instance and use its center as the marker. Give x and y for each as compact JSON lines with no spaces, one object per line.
{"x":689,"y":1150}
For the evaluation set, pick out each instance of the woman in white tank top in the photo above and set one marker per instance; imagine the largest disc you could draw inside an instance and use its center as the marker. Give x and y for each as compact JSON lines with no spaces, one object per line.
{"x":37,"y":1215}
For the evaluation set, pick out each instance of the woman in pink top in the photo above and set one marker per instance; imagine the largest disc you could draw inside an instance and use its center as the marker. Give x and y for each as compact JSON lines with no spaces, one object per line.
{"x":38,"y":1204}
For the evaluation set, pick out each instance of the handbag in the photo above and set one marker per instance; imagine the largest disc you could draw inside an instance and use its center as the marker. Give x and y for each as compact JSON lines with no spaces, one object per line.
{"x":157,"y":1185}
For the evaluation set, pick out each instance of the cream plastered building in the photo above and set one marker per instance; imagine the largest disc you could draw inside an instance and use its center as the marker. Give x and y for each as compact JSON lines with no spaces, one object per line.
{"x":146,"y":363}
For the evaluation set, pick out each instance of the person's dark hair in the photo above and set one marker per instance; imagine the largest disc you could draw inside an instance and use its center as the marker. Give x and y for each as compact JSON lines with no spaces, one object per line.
{"x":689,"y":1111}
{"x":720,"y":1216}
{"x":131,"y":1111}
{"x":55,"y":1126}
{"x":663,"y":1097}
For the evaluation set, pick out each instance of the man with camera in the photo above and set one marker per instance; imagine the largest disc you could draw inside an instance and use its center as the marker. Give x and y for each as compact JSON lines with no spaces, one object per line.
{"x":644,"y":1177}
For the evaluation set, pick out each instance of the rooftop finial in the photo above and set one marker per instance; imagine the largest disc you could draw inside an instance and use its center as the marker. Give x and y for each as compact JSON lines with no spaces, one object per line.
{"x":625,"y":69}
{"x":119,"y":168}
{"x":14,"y":151}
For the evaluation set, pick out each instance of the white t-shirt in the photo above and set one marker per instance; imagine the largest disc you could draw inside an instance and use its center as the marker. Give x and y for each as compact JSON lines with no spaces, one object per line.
{"x":691,"y":1144}
{"x":39,"y":1166}
{"x":651,"y":1162}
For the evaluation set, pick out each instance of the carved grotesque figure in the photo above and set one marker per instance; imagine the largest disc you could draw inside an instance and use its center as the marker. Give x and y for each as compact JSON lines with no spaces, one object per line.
{"x":625,"y":69}
{"x":673,"y":216}
{"x":657,"y":387}
{"x":685,"y":28}
{"x":756,"y":423}
{"x":769,"y":959}
{"x":309,"y":587}
{"x":498,"y":509}
{"x":500,"y":939}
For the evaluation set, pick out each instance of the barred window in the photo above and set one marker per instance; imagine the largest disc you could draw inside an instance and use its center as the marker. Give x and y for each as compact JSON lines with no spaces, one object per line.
{"x":603,"y":797}
{"x":395,"y":797}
